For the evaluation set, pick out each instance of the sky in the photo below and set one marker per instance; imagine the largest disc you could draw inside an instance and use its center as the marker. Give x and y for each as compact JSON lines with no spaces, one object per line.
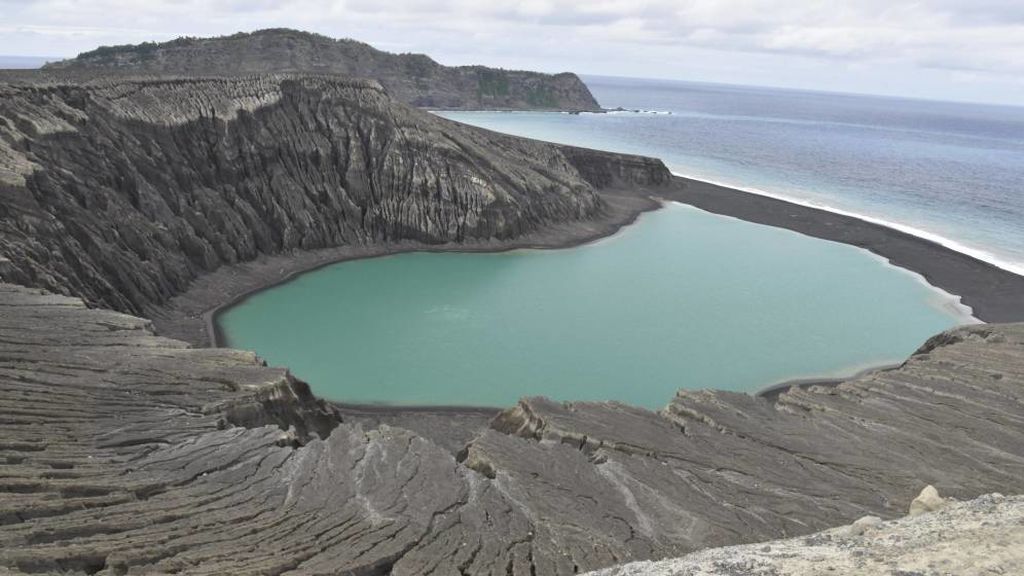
{"x":971,"y":50}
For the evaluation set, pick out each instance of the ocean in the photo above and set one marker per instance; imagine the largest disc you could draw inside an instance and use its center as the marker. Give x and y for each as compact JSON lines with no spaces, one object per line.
{"x":950,"y":172}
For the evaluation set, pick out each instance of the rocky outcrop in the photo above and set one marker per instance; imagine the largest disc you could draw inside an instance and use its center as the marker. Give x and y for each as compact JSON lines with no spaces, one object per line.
{"x":125,"y":452}
{"x":604,"y":169}
{"x":981,"y":536}
{"x":412,"y":78}
{"x":927,"y":501}
{"x":123,"y":192}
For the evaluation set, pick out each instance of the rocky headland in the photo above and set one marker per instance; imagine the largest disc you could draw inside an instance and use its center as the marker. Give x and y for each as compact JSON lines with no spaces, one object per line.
{"x":125,"y":451}
{"x":412,"y":78}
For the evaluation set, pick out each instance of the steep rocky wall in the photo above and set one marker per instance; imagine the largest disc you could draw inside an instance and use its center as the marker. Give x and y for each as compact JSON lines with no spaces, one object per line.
{"x":124,"y":452}
{"x":412,"y":78}
{"x":610,"y":169}
{"x":124,"y":191}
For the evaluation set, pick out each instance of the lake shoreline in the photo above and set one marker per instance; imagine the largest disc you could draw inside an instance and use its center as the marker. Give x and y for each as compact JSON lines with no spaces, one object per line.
{"x":192,"y":315}
{"x":992,"y":293}
{"x":985,"y":288}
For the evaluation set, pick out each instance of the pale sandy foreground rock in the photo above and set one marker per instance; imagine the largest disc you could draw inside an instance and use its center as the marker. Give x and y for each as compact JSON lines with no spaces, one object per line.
{"x":981,"y":536}
{"x":927,"y":501}
{"x":865,"y":524}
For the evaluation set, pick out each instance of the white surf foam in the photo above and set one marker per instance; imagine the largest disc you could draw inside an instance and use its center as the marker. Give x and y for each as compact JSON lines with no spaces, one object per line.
{"x":956,"y":246}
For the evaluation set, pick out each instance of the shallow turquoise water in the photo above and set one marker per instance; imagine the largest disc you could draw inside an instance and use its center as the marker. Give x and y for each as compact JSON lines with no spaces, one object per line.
{"x":682,"y":299}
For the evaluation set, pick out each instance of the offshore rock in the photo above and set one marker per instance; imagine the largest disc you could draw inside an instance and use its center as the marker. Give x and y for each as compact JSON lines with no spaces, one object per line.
{"x":127,"y":453}
{"x":124,"y":191}
{"x":413,"y":78}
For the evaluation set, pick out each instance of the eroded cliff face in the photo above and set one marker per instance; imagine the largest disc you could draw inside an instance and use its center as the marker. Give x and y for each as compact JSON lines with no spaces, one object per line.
{"x":127,"y":453}
{"x":412,"y":78}
{"x":124,"y":191}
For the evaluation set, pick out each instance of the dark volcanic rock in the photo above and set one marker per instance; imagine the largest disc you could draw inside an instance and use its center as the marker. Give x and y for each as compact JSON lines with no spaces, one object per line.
{"x":412,"y":78}
{"x":123,"y":192}
{"x":124,"y":452}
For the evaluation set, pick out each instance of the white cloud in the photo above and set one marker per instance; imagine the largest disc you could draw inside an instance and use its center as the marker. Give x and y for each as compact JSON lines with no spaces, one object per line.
{"x":921,"y":39}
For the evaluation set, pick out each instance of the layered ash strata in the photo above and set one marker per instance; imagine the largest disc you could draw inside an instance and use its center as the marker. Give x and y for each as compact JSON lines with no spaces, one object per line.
{"x":412,"y":78}
{"x":123,"y":192}
{"x":125,"y":452}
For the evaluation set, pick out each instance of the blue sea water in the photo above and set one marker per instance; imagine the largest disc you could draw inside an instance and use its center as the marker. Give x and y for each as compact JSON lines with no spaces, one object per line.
{"x":951,"y":172}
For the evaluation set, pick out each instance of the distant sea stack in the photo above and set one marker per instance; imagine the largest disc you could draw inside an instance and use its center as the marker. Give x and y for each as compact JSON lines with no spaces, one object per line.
{"x":413,"y":78}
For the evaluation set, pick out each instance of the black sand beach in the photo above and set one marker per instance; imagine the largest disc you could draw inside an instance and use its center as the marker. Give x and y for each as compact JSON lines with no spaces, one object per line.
{"x":994,"y":294}
{"x":191,"y":316}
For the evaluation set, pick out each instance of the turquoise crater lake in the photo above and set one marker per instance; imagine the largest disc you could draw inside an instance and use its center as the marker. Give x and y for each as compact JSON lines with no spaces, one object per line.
{"x":681,"y":299}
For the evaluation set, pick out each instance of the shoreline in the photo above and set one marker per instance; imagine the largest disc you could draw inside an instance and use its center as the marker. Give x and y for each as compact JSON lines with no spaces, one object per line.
{"x":991,"y":293}
{"x":945,"y":242}
{"x":772,"y":391}
{"x":191,"y":316}
{"x":946,"y":301}
{"x":608,"y":226}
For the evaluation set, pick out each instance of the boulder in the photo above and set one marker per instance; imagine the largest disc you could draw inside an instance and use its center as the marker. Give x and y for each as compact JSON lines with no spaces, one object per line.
{"x":927,"y":501}
{"x":865,"y":524}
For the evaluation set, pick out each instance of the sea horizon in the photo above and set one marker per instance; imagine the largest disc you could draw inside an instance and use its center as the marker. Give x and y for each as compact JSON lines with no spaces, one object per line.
{"x":945,"y":240}
{"x":33,"y":62}
{"x":278,"y":300}
{"x":934,"y":191}
{"x":585,"y":76}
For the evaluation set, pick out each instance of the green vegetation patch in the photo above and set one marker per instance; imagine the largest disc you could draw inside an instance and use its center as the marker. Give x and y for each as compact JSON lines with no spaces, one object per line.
{"x":541,"y":97}
{"x":492,"y":83}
